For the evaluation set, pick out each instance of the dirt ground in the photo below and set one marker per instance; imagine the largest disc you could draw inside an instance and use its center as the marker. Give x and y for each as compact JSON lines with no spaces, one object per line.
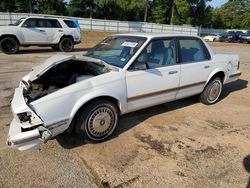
{"x":178,"y":144}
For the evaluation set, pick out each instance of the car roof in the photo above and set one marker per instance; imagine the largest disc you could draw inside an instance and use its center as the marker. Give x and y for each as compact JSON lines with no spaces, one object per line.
{"x":155,"y":35}
{"x":48,"y":17}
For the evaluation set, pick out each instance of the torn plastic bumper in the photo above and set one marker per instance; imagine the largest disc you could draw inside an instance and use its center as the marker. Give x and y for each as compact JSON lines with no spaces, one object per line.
{"x":27,"y":140}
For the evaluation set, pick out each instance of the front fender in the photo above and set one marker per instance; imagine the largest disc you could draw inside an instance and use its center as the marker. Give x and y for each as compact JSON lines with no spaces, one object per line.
{"x":97,"y":94}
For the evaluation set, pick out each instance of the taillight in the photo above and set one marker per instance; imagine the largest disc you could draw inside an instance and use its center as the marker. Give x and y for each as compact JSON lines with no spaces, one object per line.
{"x":238,"y":65}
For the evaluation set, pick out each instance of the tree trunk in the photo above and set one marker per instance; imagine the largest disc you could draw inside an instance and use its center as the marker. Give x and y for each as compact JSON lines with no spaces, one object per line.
{"x":172,"y":13}
{"x":146,"y":11}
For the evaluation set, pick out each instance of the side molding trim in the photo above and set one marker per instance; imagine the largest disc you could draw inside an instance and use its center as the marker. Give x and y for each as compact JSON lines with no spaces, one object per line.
{"x":129,"y":99}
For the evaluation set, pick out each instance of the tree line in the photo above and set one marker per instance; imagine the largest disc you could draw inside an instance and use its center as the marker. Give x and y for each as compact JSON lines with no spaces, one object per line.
{"x":231,"y":15}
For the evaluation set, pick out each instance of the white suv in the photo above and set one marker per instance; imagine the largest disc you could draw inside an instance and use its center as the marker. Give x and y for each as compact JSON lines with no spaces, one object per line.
{"x":59,"y":33}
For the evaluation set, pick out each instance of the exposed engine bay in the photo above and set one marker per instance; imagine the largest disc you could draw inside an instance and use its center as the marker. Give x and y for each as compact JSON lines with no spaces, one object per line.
{"x":62,"y":75}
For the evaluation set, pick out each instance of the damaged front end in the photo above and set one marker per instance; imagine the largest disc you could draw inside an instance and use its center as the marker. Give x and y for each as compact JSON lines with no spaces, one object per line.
{"x":45,"y":97}
{"x":26,"y":129}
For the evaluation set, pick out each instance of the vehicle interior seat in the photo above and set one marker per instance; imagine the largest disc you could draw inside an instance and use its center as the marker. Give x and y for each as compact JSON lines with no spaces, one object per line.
{"x":170,"y":55}
{"x":156,"y":57}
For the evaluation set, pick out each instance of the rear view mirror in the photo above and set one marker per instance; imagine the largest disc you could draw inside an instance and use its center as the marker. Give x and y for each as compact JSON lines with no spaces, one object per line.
{"x":24,"y":25}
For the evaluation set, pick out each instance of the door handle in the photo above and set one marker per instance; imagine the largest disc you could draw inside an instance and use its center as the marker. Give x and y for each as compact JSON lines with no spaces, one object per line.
{"x":60,"y":30}
{"x":207,"y":66}
{"x":172,"y":72}
{"x":42,"y":30}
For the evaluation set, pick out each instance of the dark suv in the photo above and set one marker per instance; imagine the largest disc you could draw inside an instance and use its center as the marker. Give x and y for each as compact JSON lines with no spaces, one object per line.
{"x":230,"y":36}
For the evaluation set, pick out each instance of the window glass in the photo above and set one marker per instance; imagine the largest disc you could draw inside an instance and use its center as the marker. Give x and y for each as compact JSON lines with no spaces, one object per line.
{"x":45,"y":23}
{"x":48,"y":23}
{"x":18,"y":21}
{"x":192,"y":50}
{"x":158,"y":53}
{"x":70,"y":23}
{"x":31,"y":22}
{"x":116,"y":50}
{"x":53,"y":23}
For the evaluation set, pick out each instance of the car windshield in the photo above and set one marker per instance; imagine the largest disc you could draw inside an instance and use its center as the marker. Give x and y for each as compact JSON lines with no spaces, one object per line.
{"x":116,"y":50}
{"x":18,"y":22}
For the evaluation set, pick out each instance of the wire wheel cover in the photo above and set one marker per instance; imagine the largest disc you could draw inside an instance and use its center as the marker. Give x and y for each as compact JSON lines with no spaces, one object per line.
{"x":101,"y":121}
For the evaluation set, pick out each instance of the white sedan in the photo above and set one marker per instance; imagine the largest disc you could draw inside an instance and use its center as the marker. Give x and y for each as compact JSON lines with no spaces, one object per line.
{"x":212,"y":37}
{"x":121,"y":74}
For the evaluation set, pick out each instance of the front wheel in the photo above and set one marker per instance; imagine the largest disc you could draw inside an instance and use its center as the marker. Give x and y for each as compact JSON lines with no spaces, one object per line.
{"x":98,"y":120}
{"x":9,"y":45}
{"x":66,"y":45}
{"x":212,"y":91}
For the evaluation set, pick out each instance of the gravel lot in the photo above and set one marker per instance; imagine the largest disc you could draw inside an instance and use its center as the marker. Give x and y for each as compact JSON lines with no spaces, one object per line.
{"x":178,"y":144}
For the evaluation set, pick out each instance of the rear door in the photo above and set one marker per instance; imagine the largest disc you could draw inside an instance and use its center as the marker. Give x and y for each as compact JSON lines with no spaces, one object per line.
{"x":195,"y":65}
{"x":53,"y":30}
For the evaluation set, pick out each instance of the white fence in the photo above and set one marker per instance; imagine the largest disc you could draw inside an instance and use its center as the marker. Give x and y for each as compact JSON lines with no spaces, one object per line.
{"x":110,"y":25}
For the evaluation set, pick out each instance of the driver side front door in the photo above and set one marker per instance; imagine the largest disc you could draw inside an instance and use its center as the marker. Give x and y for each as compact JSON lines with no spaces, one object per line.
{"x":158,"y":83}
{"x":32,"y":33}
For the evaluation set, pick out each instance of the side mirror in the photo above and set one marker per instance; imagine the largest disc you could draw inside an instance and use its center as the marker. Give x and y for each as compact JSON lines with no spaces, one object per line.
{"x":139,"y":66}
{"x":25,"y":25}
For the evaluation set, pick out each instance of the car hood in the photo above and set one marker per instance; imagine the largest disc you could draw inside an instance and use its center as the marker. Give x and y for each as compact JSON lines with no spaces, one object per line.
{"x":57,"y":59}
{"x":6,"y":28}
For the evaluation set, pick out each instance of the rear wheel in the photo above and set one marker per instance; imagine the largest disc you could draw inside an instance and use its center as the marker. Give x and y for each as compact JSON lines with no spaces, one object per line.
{"x":212,"y":91}
{"x":66,"y":45}
{"x":9,"y":45}
{"x":97,"y":121}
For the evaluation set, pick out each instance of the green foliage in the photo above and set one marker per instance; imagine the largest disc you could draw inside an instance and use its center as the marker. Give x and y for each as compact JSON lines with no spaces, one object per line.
{"x":57,"y":7}
{"x":160,"y":11}
{"x":233,"y":14}
{"x":14,"y":6}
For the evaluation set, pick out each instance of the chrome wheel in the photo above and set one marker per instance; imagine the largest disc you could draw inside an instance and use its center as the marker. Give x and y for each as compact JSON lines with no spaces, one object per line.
{"x":101,"y":123}
{"x":214,"y":91}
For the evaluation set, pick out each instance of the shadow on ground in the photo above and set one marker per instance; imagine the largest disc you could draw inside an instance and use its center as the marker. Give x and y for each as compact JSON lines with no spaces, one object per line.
{"x":232,"y":87}
{"x":130,"y":120}
{"x":246,"y":164}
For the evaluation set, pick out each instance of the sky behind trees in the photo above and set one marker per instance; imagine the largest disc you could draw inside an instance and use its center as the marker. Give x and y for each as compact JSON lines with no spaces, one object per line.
{"x":217,"y":3}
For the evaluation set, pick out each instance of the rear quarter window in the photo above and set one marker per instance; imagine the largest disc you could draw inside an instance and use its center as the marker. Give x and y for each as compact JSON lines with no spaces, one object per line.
{"x":69,"y":23}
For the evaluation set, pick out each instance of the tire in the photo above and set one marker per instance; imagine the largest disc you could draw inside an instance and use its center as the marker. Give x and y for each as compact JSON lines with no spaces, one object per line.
{"x":55,"y":47}
{"x":212,"y":91}
{"x":98,"y":120}
{"x":66,"y":45}
{"x":9,"y":45}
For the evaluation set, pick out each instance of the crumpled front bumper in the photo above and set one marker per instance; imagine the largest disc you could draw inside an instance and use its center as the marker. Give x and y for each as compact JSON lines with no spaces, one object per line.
{"x":28,"y":135}
{"x":28,"y":140}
